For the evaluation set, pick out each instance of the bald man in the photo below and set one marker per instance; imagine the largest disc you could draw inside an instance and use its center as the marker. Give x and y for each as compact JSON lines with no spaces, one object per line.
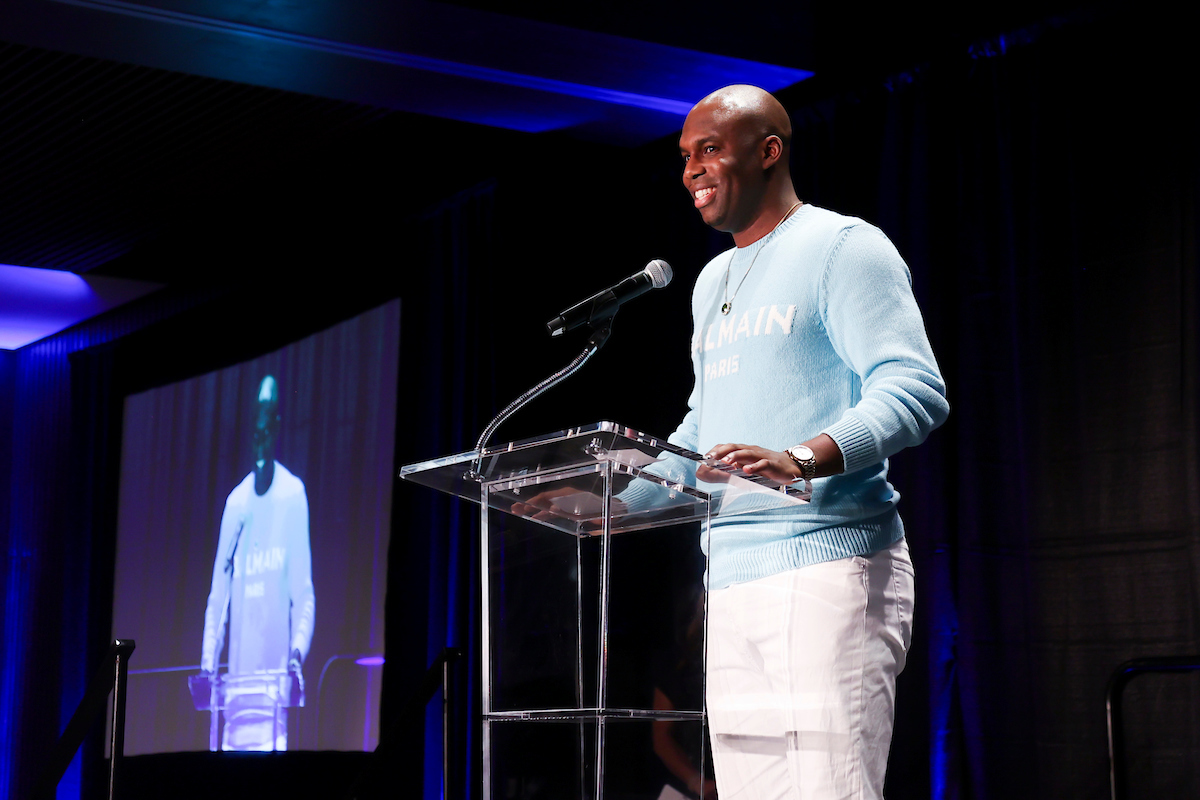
{"x":263,"y":577}
{"x":811,"y":362}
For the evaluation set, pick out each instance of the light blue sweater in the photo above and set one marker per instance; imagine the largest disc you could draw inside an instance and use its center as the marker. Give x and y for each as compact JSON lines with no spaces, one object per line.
{"x":824,"y":337}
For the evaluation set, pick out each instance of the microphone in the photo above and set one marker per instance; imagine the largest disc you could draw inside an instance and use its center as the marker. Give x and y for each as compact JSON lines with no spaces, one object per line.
{"x":603,"y":305}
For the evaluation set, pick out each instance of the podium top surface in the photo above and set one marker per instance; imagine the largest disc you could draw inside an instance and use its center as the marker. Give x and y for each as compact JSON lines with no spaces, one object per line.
{"x":559,"y":479}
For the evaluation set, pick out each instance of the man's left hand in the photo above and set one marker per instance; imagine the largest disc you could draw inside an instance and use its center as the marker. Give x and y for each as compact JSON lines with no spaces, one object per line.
{"x":777,"y":465}
{"x":755,"y":460}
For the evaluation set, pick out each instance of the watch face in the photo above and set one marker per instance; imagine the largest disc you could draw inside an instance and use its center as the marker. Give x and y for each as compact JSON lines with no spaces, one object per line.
{"x":802,"y":452}
{"x":807,"y":460}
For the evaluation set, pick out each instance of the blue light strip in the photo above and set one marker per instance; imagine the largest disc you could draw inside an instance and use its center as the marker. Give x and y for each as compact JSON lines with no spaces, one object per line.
{"x":36,"y":303}
{"x":424,"y":63}
{"x":370,"y":661}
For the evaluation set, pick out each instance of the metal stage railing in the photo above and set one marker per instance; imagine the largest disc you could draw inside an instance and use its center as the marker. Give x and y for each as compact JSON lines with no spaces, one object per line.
{"x":111,"y":677}
{"x":1121,"y":676}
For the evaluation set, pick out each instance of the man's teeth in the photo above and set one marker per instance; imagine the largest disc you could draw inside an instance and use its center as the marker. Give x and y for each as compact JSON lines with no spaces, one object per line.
{"x":703,"y":193}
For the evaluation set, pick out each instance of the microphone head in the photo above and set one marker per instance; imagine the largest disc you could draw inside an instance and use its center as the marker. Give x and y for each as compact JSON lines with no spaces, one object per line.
{"x":659,"y":272}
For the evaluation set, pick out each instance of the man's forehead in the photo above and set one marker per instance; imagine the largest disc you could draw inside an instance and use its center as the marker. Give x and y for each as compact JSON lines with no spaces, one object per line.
{"x":708,"y":122}
{"x":267,"y":390}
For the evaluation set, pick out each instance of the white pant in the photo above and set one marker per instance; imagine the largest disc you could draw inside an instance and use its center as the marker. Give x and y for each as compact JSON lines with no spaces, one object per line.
{"x":801,"y":678}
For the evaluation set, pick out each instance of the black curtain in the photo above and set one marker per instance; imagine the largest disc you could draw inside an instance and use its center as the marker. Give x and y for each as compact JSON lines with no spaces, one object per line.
{"x":1042,"y":187}
{"x":58,"y":462}
{"x":446,"y":395}
{"x":1043,"y":192}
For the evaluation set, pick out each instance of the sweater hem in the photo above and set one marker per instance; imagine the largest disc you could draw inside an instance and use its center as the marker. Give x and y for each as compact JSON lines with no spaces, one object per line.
{"x":802,"y":550}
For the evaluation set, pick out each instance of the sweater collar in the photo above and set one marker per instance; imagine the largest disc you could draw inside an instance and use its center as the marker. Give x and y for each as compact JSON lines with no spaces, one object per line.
{"x":792,"y":221}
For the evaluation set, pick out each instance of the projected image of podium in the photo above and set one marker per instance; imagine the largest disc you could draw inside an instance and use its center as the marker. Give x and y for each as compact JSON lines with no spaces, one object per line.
{"x":592,"y":615}
{"x":255,"y":700}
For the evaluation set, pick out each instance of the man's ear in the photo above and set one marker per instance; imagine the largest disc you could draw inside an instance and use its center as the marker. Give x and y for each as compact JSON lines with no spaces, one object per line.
{"x":772,"y":151}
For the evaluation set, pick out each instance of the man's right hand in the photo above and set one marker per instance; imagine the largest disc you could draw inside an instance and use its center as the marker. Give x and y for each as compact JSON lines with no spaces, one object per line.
{"x":541,"y":505}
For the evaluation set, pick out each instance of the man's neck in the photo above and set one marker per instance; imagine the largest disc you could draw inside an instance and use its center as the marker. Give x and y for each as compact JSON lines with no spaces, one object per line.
{"x":768,"y":219}
{"x":264,"y":478}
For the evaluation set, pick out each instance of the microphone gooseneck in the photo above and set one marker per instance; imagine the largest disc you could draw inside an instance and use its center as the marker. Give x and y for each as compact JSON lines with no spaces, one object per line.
{"x":597,"y":311}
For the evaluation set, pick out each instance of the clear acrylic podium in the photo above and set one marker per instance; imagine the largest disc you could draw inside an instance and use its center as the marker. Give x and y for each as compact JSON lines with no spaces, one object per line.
{"x":592,"y":613}
{"x":275,"y":690}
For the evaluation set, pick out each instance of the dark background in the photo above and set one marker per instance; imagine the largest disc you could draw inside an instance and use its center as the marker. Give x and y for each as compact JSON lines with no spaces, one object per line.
{"x":1039,"y":174}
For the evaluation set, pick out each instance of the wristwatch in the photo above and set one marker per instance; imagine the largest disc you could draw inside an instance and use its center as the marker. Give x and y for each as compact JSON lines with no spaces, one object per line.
{"x":805,"y":459}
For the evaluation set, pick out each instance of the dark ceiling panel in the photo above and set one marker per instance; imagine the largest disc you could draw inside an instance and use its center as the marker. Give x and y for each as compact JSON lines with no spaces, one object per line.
{"x":94,"y":154}
{"x":415,"y":56}
{"x":126,"y":122}
{"x":112,"y":113}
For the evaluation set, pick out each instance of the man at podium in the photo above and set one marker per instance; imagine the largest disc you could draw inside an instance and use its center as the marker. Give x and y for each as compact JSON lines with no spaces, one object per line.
{"x":811,"y":361}
{"x":262,"y":577}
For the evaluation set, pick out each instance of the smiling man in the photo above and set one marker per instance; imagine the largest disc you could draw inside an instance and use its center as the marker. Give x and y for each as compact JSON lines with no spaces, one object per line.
{"x":811,"y":361}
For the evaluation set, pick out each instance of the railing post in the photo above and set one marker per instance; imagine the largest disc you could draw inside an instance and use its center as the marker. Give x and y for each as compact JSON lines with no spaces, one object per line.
{"x":123,"y":648}
{"x":367,"y":783}
{"x":110,"y":677}
{"x":446,"y":791}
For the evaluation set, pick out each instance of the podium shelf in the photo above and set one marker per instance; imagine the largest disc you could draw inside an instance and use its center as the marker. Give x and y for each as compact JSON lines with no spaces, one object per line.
{"x":558,"y":480}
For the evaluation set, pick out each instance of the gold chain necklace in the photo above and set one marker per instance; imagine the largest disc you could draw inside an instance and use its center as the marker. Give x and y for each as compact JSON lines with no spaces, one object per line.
{"x":727,"y":306}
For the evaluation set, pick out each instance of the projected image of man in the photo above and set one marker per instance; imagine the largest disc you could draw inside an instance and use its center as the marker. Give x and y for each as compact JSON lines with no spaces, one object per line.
{"x":262,"y":587}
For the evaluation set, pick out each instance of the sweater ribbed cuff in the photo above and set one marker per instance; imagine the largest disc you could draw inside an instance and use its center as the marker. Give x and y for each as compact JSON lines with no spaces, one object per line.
{"x":854,"y":439}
